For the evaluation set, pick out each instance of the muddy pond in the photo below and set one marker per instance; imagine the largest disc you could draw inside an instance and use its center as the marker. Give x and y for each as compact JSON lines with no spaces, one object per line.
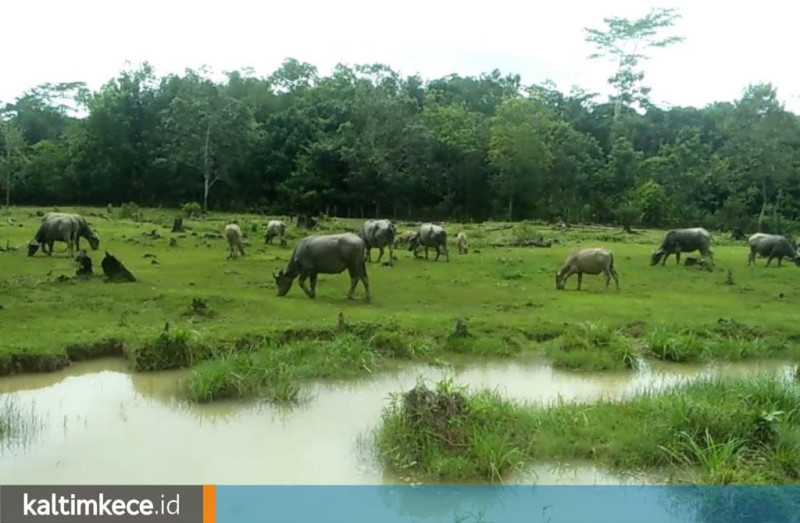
{"x":99,"y":424}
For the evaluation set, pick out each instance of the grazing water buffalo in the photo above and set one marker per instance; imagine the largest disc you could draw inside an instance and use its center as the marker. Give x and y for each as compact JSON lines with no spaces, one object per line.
{"x":326,"y":254}
{"x":771,"y":246}
{"x":403,"y":239}
{"x":233,"y":234}
{"x":68,"y":228}
{"x":683,"y":240}
{"x":84,"y":231}
{"x":587,"y":261}
{"x":461,"y":243}
{"x":380,"y":234}
{"x":275,"y":228}
{"x":429,"y":235}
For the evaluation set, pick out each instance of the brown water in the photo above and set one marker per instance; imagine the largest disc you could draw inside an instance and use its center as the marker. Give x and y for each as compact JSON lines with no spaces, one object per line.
{"x":101,"y":424}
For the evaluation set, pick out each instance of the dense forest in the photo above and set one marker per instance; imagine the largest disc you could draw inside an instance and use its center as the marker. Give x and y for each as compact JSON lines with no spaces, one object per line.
{"x":365,"y":141}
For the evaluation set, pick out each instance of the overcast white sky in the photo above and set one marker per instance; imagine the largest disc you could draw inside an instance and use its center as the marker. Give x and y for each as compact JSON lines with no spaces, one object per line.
{"x":728,"y":45}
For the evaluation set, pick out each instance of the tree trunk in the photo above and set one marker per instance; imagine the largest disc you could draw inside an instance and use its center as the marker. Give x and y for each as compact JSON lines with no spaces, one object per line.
{"x":763,"y":205}
{"x":511,"y":208}
{"x":8,"y":188}
{"x":207,"y":182}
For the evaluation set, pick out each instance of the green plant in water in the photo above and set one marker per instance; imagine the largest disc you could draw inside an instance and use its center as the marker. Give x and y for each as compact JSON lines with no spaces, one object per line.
{"x":718,"y":461}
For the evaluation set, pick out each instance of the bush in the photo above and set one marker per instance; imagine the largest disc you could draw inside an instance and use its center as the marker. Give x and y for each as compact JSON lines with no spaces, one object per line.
{"x":130,"y":210}
{"x":191,"y":209}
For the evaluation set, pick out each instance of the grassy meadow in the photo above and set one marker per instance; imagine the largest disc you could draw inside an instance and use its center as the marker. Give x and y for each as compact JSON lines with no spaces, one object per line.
{"x":190,"y":305}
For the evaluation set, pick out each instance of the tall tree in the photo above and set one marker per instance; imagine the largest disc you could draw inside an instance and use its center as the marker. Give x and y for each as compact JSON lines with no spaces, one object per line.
{"x":14,"y":157}
{"x":625,"y":42}
{"x":518,"y":148}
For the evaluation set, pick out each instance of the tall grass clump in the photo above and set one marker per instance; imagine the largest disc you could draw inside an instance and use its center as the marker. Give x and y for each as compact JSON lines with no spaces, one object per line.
{"x":441,"y":432}
{"x":592,"y":346}
{"x":171,"y":349}
{"x":715,"y":431}
{"x":675,"y":345}
{"x":275,"y":372}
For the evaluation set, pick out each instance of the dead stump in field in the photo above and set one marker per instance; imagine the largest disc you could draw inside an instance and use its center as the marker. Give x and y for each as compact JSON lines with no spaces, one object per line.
{"x":85,"y":263}
{"x":115,"y":271}
{"x":177,"y":225}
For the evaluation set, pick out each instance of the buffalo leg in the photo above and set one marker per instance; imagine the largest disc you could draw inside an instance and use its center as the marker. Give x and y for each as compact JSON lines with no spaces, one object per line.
{"x":580,"y":280}
{"x":380,"y":255}
{"x":313,"y":279}
{"x":365,"y":282}
{"x":426,"y":252}
{"x":446,"y":252}
{"x":615,"y":276}
{"x":369,"y":254}
{"x":353,"y":282}
{"x":391,"y":255}
{"x":678,"y":258}
{"x":769,"y":260}
{"x":438,"y":253}
{"x":302,"y":282}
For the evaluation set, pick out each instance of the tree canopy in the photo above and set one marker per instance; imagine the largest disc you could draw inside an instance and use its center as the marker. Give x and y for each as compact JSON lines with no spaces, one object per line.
{"x":365,"y":141}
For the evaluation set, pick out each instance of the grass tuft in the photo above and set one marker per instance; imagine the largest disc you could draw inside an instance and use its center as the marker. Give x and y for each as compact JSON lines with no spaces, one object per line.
{"x":171,"y":349}
{"x":592,"y":346}
{"x":714,"y":431}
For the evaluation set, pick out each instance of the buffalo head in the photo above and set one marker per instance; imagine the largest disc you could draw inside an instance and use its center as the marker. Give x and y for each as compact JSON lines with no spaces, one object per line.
{"x":413,"y":242}
{"x":559,"y":281}
{"x":656,"y":257}
{"x":94,"y":241}
{"x":33,"y":246}
{"x":283,"y":281}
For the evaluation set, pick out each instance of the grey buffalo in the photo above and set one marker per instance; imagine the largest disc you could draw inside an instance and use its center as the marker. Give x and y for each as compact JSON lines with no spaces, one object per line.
{"x":84,"y":231}
{"x":378,"y":234}
{"x":587,"y":261}
{"x":64,"y":227}
{"x":771,"y":246}
{"x":430,"y":235}
{"x":233,"y":235}
{"x":326,"y":254}
{"x":682,"y":240}
{"x":275,"y":228}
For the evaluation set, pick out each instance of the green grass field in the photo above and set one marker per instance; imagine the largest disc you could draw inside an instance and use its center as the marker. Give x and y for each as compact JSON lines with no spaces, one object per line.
{"x":45,"y":309}
{"x":506,"y":295}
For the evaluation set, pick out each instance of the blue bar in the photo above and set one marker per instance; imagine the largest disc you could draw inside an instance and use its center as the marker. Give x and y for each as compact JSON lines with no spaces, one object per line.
{"x":507,"y":504}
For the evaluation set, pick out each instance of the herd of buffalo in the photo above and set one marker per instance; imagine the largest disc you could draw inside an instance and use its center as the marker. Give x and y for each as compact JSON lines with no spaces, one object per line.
{"x":335,"y":253}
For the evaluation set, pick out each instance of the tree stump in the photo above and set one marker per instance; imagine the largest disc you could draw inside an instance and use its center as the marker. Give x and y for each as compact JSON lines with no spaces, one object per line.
{"x":115,"y":270}
{"x":85,"y":263}
{"x":177,"y":225}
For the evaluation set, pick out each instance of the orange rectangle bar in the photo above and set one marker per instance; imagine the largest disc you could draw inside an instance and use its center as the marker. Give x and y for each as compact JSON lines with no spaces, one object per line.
{"x":209,"y":503}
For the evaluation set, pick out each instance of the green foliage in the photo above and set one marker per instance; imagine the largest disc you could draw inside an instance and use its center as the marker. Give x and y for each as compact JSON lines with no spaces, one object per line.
{"x":365,"y":141}
{"x":129,"y":210}
{"x":191,"y":209}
